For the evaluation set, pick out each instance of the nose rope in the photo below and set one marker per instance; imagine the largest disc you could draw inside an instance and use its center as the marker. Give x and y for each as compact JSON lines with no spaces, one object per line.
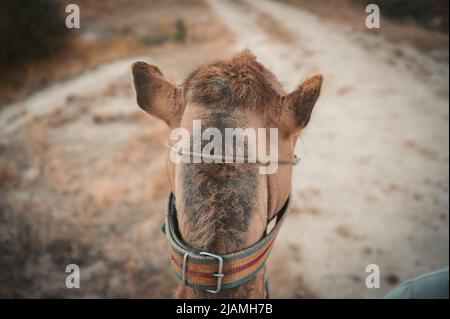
{"x":231,"y":159}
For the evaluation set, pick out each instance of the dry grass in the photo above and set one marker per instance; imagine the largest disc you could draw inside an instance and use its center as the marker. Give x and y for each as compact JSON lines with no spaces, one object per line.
{"x":37,"y":136}
{"x":118,"y":29}
{"x":86,"y":183}
{"x":352,"y":13}
{"x":9,"y":174}
{"x":77,"y":56}
{"x":91,"y":211}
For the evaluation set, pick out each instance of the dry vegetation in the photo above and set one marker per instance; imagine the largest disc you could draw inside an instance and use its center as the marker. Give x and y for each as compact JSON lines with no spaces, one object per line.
{"x":396,"y":29}
{"x":85,"y":184}
{"x":62,"y":203}
{"x":109,"y":30}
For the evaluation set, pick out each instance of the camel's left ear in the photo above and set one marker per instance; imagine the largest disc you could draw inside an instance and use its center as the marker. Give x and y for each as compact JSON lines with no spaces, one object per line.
{"x":156,"y":95}
{"x":297,"y":106}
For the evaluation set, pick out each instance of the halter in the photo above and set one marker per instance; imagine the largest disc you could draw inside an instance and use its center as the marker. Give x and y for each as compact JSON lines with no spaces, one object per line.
{"x":210,"y":272}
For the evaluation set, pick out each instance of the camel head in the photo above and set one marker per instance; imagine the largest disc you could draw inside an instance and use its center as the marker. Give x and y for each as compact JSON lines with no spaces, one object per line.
{"x":223,"y":208}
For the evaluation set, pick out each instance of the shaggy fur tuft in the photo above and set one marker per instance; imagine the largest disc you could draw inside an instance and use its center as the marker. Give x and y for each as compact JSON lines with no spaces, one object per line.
{"x":239,"y":82}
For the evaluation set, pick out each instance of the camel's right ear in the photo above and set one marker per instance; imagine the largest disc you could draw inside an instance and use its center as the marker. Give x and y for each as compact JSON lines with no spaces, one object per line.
{"x":156,"y":95}
{"x":298,"y":105}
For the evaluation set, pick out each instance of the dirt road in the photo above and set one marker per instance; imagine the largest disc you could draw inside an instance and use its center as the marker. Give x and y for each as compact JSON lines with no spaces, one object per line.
{"x":372,"y":186}
{"x":373,"y":183}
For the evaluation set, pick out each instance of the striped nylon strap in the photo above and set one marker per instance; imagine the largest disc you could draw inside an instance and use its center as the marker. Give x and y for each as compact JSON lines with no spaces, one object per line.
{"x":206,"y":271}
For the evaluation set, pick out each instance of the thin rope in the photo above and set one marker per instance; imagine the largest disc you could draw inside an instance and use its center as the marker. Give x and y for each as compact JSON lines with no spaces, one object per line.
{"x":230,"y":159}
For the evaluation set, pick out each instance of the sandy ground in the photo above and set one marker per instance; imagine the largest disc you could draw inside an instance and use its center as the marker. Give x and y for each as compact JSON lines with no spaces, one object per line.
{"x":373,"y":183}
{"x":83,"y":182}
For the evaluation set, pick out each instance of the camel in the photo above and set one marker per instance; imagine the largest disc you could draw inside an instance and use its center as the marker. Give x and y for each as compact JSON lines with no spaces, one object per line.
{"x":218,"y":214}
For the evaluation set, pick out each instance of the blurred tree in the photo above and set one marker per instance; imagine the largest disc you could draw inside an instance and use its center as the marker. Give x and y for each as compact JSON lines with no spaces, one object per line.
{"x":29,"y":28}
{"x":428,"y":13}
{"x":180,"y":31}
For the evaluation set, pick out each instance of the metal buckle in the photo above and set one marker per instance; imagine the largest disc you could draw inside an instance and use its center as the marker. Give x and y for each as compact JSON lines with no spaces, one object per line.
{"x":218,"y":275}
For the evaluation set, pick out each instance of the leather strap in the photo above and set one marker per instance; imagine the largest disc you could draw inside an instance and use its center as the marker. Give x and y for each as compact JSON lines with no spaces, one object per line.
{"x":206,"y":271}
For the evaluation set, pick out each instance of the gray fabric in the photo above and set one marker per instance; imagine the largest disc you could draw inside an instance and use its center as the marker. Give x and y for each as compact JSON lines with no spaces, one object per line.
{"x":433,"y":285}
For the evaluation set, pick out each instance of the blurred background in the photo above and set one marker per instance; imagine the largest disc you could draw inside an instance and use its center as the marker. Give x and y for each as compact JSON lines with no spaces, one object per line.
{"x":81,"y":176}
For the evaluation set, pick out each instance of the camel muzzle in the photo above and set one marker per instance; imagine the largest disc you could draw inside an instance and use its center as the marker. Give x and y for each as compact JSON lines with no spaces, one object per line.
{"x":211,"y":272}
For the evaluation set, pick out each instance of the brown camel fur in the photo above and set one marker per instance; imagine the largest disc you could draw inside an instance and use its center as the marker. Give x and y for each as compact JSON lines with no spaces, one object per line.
{"x":224,"y":208}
